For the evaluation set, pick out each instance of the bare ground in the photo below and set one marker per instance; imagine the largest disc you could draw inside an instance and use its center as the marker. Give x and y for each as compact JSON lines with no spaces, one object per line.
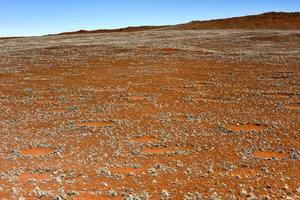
{"x":151,"y":115}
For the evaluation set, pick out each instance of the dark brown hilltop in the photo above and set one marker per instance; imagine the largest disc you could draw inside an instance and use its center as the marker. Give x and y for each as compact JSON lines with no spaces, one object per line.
{"x":271,"y":20}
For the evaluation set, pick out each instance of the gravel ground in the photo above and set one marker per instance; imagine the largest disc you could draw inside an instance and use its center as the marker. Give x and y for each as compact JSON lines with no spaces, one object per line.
{"x":151,"y":115}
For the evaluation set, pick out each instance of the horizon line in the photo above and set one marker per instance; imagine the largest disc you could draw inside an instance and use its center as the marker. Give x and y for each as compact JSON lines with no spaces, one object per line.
{"x":137,"y":25}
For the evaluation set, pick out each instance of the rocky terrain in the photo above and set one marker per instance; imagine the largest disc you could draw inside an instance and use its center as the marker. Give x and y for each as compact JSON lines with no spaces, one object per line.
{"x":156,"y":114}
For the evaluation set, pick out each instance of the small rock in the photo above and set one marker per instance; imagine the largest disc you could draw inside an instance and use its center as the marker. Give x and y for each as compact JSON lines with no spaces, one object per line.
{"x":243,"y":192}
{"x":152,"y":172}
{"x":164,"y":194}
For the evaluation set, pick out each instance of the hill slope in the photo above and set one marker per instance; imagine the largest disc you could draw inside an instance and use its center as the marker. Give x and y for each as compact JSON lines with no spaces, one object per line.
{"x":272,"y":20}
{"x":127,"y":29}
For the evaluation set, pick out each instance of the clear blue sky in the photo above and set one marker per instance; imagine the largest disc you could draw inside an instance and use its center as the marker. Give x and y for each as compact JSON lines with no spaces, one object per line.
{"x":38,"y":17}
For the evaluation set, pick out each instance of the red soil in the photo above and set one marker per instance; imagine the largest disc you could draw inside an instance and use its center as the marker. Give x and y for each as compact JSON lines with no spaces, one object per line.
{"x":128,"y":116}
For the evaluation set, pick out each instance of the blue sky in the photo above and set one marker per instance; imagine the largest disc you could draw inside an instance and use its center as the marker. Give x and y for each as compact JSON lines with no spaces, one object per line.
{"x":38,"y":17}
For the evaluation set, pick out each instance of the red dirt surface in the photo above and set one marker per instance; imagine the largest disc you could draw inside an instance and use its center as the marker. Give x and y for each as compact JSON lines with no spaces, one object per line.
{"x":269,"y":155}
{"x":245,"y":127}
{"x":37,"y":151}
{"x":168,"y":114}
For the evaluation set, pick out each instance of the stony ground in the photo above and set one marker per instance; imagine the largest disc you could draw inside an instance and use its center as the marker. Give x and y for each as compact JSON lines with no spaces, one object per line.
{"x":151,"y":115}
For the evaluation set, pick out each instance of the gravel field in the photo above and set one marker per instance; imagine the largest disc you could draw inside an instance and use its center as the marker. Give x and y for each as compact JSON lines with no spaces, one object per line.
{"x":159,"y":114}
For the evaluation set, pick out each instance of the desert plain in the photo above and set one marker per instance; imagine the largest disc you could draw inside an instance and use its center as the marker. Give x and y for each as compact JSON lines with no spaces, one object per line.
{"x":153,"y":114}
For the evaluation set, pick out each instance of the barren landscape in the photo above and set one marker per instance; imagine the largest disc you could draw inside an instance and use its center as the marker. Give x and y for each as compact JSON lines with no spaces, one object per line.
{"x":167,"y":113}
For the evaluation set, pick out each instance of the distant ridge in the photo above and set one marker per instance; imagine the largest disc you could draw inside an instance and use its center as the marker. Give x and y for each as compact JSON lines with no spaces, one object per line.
{"x":271,"y":20}
{"x":9,"y":38}
{"x":265,"y":21}
{"x":128,"y":29}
